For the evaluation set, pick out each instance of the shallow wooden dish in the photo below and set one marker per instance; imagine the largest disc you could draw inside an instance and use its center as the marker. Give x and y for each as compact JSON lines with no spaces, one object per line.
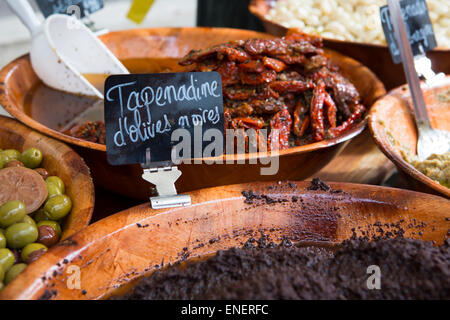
{"x":59,"y":160}
{"x":298,"y":163}
{"x":392,"y":125}
{"x":374,"y":56}
{"x":117,"y":250}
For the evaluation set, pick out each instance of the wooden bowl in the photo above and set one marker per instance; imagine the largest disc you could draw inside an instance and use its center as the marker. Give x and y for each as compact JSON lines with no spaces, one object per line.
{"x":298,"y":163}
{"x":392,"y":125}
{"x":117,"y":250}
{"x":59,"y":160}
{"x":375,"y":56}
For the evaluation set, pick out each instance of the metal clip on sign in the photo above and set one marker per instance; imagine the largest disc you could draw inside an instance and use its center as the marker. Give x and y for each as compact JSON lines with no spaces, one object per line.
{"x":164,"y":179}
{"x":422,"y":64}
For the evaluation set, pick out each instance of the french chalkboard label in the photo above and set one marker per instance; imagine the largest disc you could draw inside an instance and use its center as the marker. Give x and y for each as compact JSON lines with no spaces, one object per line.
{"x":143,"y":110}
{"x":49,"y":7}
{"x":418,"y":26}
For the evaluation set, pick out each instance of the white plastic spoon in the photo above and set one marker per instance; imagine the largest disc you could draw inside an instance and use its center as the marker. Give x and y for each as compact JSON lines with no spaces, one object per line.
{"x":63,"y":49}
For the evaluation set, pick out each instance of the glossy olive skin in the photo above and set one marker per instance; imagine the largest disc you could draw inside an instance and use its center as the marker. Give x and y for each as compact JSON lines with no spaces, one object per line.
{"x":31,"y":248}
{"x":40,"y":216}
{"x":55,"y":225}
{"x":31,"y":158}
{"x":20,"y":234}
{"x":57,"y":207}
{"x":7,"y":259}
{"x":12,"y":212}
{"x":52,"y":189}
{"x":59,"y":183}
{"x":10,"y":154}
{"x":29,"y":220}
{"x":2,"y":240}
{"x":14,"y":271}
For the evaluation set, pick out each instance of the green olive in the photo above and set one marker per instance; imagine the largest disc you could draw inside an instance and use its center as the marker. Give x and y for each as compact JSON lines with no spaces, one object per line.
{"x":40,"y":215}
{"x":12,"y":212}
{"x":11,"y":154}
{"x":1,"y":286}
{"x":20,"y":234}
{"x":57,"y":207}
{"x":7,"y":259}
{"x":14,"y":272}
{"x":55,"y":225}
{"x":2,"y":276}
{"x":2,"y":240}
{"x":31,"y":158}
{"x":29,"y":220}
{"x":52,"y":189}
{"x":3,"y":160}
{"x":30,"y":248}
{"x":57,"y":180}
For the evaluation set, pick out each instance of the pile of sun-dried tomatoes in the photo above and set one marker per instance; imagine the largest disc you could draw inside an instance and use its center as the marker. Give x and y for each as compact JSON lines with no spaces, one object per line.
{"x":286,"y":84}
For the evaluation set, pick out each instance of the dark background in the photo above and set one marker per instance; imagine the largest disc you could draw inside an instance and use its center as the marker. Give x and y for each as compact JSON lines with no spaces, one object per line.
{"x":226,"y":13}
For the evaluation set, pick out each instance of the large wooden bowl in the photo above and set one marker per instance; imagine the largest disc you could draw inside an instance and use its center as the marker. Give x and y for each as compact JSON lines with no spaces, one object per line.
{"x":392,"y":125}
{"x":117,"y":250}
{"x":374,"y":56}
{"x":298,"y":163}
{"x":59,"y":160}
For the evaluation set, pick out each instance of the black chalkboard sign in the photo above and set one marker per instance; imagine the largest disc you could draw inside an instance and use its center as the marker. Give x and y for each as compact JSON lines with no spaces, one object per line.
{"x":142,"y":111}
{"x":49,"y":7}
{"x":418,"y":25}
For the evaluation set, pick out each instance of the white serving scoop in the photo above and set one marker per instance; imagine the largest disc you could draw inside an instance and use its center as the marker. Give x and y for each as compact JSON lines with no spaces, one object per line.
{"x":63,"y":49}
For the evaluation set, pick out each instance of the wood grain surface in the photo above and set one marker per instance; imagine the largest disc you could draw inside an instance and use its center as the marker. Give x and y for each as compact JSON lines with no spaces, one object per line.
{"x":296,"y":163}
{"x":117,"y":250}
{"x":393,"y":128}
{"x":59,"y":160}
{"x":374,"y":56}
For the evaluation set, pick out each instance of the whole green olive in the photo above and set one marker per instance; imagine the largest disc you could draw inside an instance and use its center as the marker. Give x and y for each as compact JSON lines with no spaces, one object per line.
{"x":20,"y":234}
{"x":40,"y":215}
{"x":57,"y":180}
{"x":31,"y":158}
{"x":11,"y":154}
{"x":14,"y":271}
{"x":55,"y":225}
{"x":2,"y":240}
{"x":11,"y":212}
{"x":2,"y":161}
{"x":52,"y":189}
{"x":57,"y":207}
{"x":7,"y":259}
{"x":32,"y":251}
{"x":29,"y":220}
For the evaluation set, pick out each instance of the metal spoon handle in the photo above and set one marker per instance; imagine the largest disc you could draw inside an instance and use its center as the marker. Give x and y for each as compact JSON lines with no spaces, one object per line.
{"x":406,"y":54}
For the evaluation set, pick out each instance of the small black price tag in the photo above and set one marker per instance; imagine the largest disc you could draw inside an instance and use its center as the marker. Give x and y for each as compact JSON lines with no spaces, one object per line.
{"x":143,"y":110}
{"x":418,"y":25}
{"x":49,"y":7}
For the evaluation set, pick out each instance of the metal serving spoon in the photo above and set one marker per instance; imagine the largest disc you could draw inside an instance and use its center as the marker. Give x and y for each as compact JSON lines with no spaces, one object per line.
{"x":63,"y":49}
{"x":430,"y":141}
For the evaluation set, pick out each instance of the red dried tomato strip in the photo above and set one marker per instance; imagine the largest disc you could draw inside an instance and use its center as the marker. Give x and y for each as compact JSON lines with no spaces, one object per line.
{"x":258,"y":78}
{"x":274,"y":64}
{"x":349,"y":123}
{"x":282,"y":122}
{"x":316,"y":111}
{"x":294,"y":86}
{"x":252,"y":66}
{"x":332,"y":110}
